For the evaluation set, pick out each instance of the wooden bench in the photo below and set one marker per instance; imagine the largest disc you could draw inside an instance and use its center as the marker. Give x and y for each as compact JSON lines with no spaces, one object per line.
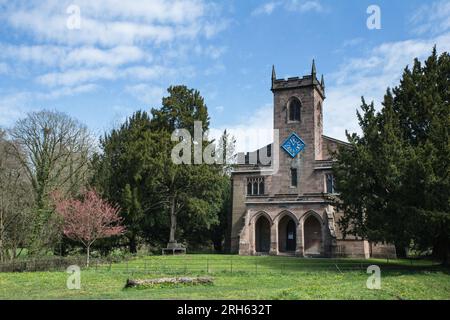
{"x":174,"y":251}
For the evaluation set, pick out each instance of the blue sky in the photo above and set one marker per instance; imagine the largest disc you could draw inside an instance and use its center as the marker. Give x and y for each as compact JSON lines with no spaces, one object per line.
{"x":126,"y":53}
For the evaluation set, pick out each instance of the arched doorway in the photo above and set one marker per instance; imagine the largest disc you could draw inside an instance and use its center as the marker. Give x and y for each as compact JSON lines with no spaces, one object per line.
{"x":312,"y":230}
{"x":287,"y":235}
{"x":262,"y":235}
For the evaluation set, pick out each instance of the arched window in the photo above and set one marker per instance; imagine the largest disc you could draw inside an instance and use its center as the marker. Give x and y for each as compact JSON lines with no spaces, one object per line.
{"x":294,"y":176}
{"x":294,"y":109}
{"x":330,"y":183}
{"x":319,"y":114}
{"x":255,"y":186}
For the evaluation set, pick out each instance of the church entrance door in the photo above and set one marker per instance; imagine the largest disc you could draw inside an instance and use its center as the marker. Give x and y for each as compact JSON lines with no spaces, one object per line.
{"x":291,"y":236}
{"x":287,"y":235}
{"x":313,"y":236}
{"x":262,"y":235}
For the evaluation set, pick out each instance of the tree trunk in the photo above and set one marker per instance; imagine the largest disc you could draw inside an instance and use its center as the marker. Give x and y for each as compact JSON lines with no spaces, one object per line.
{"x":441,"y":249}
{"x":88,"y":251}
{"x":400,"y":250}
{"x":173,"y":220}
{"x":1,"y":249}
{"x":218,"y":247}
{"x":132,"y":244}
{"x":1,"y":236}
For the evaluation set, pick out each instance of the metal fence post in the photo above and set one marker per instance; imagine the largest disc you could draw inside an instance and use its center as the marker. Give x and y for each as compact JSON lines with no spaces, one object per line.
{"x":207,"y":265}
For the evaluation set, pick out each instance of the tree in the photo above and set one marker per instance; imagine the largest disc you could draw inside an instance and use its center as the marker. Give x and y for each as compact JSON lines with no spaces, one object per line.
{"x":125,"y":175}
{"x":192,"y":190}
{"x":394,"y":180}
{"x":180,"y":109}
{"x":220,"y":232}
{"x":89,"y":219}
{"x":15,"y":203}
{"x":157,"y":196}
{"x":54,"y":151}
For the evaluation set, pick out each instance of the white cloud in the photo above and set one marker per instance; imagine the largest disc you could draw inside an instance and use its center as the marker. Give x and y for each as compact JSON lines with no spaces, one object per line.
{"x":15,"y":105}
{"x":114,"y":57}
{"x":146,"y":93}
{"x":432,"y":18}
{"x":304,"y":6}
{"x":300,"y":6}
{"x":69,"y":57}
{"x":76,"y":77}
{"x":112,"y":22}
{"x":136,"y":40}
{"x":12,"y":107}
{"x":369,"y":76}
{"x":66,"y":91}
{"x":4,"y":68}
{"x":40,"y":54}
{"x":352,"y":42}
{"x":266,"y":8}
{"x":250,"y":135}
{"x":213,"y":52}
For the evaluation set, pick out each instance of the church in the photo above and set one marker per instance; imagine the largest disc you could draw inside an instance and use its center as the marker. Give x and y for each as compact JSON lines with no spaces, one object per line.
{"x":282,"y":194}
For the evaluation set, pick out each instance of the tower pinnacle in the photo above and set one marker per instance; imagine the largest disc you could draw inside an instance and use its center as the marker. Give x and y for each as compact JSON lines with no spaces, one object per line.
{"x":313,"y":69}
{"x":274,"y":75}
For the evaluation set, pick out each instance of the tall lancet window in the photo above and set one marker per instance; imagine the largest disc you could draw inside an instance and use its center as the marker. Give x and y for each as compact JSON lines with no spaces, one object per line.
{"x":294,"y":179}
{"x":294,"y":109}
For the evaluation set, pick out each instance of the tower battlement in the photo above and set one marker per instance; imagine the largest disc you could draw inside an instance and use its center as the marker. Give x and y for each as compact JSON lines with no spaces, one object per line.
{"x":297,"y":82}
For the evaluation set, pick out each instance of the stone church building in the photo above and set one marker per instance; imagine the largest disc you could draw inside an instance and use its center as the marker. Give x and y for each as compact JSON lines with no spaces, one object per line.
{"x":282,"y":193}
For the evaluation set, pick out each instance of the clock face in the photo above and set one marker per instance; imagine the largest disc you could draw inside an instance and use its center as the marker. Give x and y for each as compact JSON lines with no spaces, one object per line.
{"x":293,"y":145}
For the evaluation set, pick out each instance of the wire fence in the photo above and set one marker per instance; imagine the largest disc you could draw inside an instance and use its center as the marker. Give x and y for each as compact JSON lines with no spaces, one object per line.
{"x":201,"y":265}
{"x":46,"y":264}
{"x":239,"y":266}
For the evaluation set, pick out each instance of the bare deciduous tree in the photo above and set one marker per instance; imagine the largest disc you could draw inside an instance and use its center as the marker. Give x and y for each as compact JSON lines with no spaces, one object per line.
{"x":15,"y":203}
{"x":54,"y":151}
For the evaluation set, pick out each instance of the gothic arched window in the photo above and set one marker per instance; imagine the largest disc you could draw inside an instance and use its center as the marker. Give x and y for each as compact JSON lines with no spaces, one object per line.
{"x":294,"y":109}
{"x":255,"y":186}
{"x":249,"y":188}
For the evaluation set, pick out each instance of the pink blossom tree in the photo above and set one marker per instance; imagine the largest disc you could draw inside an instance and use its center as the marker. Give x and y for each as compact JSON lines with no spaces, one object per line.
{"x":89,"y":219}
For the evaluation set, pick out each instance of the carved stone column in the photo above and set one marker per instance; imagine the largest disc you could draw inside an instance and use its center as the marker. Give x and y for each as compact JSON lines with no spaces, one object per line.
{"x":274,"y":239}
{"x":299,"y":250}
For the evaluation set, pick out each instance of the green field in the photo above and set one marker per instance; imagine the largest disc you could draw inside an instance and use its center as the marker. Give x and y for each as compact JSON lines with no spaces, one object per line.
{"x":238,"y":277}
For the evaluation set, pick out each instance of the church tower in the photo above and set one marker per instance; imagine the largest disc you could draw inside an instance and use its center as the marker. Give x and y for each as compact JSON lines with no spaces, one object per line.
{"x":298,"y":118}
{"x":286,"y":206}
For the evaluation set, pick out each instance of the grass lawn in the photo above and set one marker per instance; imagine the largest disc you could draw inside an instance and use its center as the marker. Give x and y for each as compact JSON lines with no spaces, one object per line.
{"x":239,"y":277}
